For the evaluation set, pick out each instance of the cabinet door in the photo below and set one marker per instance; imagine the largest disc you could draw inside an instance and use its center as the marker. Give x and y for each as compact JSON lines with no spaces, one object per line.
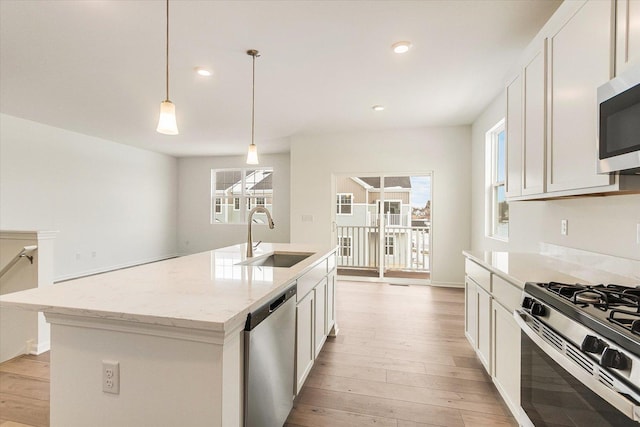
{"x":513,"y":129}
{"x":506,"y":356}
{"x":580,"y":61}
{"x":304,"y":339}
{"x":471,"y":312}
{"x":320,"y":315}
{"x":484,"y":328}
{"x":627,"y":34}
{"x":533,"y":142}
{"x":331,"y":302}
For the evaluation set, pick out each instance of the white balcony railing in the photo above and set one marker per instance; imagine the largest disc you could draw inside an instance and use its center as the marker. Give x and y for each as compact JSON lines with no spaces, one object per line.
{"x":389,"y":219}
{"x":405,"y":248}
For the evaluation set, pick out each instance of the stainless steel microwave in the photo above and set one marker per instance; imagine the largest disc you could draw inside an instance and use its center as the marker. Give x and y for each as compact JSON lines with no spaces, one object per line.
{"x":619,"y":123}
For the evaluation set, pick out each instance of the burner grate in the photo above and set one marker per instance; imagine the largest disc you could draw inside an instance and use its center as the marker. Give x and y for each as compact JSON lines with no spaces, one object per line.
{"x":627,"y":319}
{"x":602,"y":297}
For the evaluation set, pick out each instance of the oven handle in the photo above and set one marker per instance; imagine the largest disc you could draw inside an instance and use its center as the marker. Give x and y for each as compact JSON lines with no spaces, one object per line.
{"x":619,"y":401}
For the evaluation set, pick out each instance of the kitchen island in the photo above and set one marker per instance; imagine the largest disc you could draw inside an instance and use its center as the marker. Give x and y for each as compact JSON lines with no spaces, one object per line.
{"x":174,"y":329}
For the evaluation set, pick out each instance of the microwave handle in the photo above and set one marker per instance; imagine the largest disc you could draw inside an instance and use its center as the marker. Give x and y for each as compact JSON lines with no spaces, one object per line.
{"x":615,"y":398}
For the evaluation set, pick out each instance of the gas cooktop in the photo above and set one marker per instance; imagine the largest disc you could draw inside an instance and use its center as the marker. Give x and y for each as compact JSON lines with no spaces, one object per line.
{"x":611,"y":310}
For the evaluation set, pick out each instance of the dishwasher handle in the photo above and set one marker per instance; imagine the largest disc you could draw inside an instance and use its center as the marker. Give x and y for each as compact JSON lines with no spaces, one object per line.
{"x":257,"y":316}
{"x":277,"y":303}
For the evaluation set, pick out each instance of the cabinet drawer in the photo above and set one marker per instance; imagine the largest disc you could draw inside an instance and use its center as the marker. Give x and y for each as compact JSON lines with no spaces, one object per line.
{"x":478,"y":274}
{"x":311,"y":278}
{"x":506,"y":293}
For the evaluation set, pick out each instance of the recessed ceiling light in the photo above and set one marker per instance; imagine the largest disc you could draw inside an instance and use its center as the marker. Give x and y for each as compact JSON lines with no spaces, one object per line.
{"x":401,"y":47}
{"x":378,"y":108}
{"x":203,"y":72}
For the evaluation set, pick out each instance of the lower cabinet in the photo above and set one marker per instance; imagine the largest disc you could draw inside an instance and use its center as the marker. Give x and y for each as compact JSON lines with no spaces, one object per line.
{"x":305,"y":346}
{"x":321,"y":315}
{"x":506,"y":356}
{"x":315,"y":316}
{"x":492,"y":331}
{"x":484,"y":328}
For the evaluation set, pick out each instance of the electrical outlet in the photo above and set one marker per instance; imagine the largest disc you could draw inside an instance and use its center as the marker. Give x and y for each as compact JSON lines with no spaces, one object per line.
{"x":564,"y":227}
{"x":110,"y":377}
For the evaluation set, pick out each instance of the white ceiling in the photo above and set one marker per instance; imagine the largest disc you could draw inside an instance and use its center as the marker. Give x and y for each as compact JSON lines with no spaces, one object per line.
{"x":97,"y":67}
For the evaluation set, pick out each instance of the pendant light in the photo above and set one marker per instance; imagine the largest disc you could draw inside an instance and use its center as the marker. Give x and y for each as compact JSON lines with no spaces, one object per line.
{"x":252,"y":153}
{"x":167,"y":122}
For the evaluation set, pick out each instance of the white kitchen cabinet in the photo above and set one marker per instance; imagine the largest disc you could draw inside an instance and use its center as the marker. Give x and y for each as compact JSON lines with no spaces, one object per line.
{"x":331,"y":306}
{"x":627,"y":34}
{"x":484,"y":328}
{"x":305,"y":346}
{"x":580,"y":61}
{"x":471,"y":312}
{"x":513,"y":130}
{"x":506,"y":356}
{"x":320,"y":320}
{"x":491,"y":329}
{"x":315,"y":315}
{"x":533,"y":123}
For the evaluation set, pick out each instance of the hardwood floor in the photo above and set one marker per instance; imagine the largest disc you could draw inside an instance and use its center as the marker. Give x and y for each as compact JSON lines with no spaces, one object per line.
{"x":400,"y":360}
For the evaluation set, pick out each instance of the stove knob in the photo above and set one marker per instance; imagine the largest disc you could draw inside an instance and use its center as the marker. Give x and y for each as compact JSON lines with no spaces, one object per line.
{"x":538,"y":309}
{"x":592,"y":344}
{"x":527,"y":302}
{"x":614,"y":359}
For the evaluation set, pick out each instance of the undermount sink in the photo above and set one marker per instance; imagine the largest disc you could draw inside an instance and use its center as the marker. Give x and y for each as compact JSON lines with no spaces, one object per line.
{"x":277,"y":259}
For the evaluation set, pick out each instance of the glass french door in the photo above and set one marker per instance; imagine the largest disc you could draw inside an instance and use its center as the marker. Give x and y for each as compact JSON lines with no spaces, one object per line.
{"x":383,"y":225}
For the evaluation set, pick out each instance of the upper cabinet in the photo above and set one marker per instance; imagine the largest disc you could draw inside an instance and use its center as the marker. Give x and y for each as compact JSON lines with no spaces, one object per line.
{"x":552,"y":102}
{"x":534,"y":121}
{"x":627,"y":33}
{"x":513,"y":130}
{"x":580,"y":61}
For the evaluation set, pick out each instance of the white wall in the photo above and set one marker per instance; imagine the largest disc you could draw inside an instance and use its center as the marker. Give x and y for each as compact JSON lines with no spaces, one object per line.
{"x":597,"y":224}
{"x":106,"y":198}
{"x":444,"y":151}
{"x":195,"y":231}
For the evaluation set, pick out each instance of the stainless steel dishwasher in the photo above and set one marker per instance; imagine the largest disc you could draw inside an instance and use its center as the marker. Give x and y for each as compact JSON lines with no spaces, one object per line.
{"x":269,"y":347}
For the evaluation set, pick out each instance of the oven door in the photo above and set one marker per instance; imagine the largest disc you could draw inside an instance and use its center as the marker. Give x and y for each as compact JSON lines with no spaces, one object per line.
{"x":557,"y":390}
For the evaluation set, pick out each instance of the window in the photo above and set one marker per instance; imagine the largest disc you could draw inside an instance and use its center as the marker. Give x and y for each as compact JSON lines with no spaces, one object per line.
{"x":389,"y":243}
{"x":344,"y":203}
{"x":498,"y":208}
{"x":235,"y":191}
{"x":345,"y":245}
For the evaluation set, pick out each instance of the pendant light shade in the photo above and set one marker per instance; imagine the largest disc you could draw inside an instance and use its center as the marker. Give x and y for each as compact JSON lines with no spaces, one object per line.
{"x":252,"y":153}
{"x":167,"y":122}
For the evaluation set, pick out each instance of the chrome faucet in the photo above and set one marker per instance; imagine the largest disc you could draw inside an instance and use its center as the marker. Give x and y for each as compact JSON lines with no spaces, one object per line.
{"x":250,"y":220}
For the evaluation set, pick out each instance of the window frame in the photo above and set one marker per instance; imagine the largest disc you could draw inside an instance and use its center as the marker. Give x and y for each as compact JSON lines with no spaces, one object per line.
{"x":389,"y":243}
{"x":342,"y":246}
{"x":240,"y":194}
{"x":339,"y":204}
{"x":494,"y":184}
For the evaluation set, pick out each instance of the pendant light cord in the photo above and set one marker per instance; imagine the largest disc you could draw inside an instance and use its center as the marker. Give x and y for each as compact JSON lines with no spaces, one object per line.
{"x":167,"y":52}
{"x":253,"y":99}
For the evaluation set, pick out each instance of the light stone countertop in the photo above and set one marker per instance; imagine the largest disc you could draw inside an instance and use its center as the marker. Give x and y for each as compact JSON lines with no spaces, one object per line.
{"x":519,"y":268}
{"x":201,"y":291}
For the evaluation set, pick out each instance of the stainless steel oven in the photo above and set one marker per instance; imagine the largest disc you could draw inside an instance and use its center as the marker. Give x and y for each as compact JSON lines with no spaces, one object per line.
{"x":580,"y":352}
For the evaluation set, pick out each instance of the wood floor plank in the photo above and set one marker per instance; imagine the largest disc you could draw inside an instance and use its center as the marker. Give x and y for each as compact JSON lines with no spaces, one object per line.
{"x":20,"y":385}
{"x":443,"y":383}
{"x":316,"y":416}
{"x":380,"y":407}
{"x":472,"y":419}
{"x":26,"y":367}
{"x":443,"y":398}
{"x":415,"y":356}
{"x":12,"y":424}
{"x":19,"y":409}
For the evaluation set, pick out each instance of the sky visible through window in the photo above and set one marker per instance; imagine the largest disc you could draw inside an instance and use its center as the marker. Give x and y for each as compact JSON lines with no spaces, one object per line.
{"x":420,"y":191}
